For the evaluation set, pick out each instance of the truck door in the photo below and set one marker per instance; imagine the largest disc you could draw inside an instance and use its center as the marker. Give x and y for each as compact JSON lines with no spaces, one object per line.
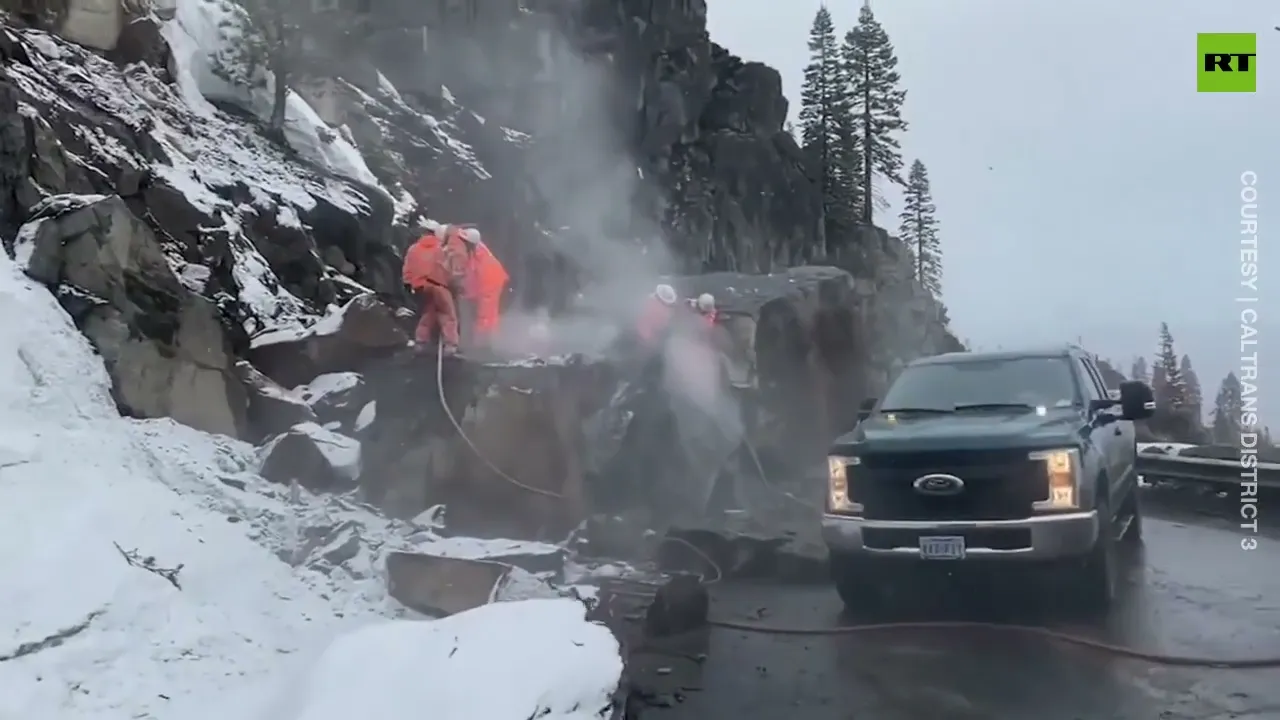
{"x":1124,"y":442}
{"x":1111,"y":439}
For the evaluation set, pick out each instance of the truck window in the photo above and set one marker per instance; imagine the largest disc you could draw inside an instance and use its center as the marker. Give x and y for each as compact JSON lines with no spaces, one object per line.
{"x":1035,"y":381}
{"x":1094,"y":386}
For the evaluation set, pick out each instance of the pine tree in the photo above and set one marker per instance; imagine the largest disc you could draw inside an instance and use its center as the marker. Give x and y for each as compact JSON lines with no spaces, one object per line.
{"x":1166,"y":375}
{"x":1227,"y":408}
{"x":261,"y":47}
{"x":824,"y":122}
{"x":1139,"y":370}
{"x":1191,"y":389}
{"x":919,"y":230}
{"x":875,"y":100}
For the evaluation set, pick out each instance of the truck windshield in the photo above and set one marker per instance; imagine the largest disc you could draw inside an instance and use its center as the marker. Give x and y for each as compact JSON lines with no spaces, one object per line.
{"x":1031,"y":382}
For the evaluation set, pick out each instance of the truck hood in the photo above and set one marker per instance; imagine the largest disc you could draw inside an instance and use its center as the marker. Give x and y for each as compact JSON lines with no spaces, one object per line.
{"x":977,"y":430}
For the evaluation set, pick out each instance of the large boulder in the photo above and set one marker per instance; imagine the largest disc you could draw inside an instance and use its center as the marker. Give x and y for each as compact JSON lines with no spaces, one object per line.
{"x":272,"y":409}
{"x":164,"y":346}
{"x":794,"y":344}
{"x":513,"y":466}
{"x":313,"y":457}
{"x":336,"y":398}
{"x":345,"y":340}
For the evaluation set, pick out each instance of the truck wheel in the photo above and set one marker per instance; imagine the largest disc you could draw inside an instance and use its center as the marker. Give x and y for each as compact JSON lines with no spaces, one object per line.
{"x":854,"y":583}
{"x":1133,"y":508}
{"x":1096,"y":581}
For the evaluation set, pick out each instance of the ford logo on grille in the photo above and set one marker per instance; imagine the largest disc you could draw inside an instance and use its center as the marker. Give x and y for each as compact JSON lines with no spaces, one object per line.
{"x":938,"y":484}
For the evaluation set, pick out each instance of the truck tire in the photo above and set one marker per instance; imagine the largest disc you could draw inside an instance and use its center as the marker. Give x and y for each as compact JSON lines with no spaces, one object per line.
{"x":1133,"y":508}
{"x":1095,"y":583}
{"x":854,"y":583}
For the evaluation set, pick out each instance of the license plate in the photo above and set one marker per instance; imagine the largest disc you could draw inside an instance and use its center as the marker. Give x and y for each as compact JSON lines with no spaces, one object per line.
{"x":942,"y":547}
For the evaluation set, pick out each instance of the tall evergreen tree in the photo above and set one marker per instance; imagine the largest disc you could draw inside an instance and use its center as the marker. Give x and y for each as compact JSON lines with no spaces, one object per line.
{"x":919,"y":230}
{"x":824,"y":123}
{"x":1227,"y":408}
{"x":1166,"y":375}
{"x":876,"y":105}
{"x":1139,"y":370}
{"x":1191,"y":389}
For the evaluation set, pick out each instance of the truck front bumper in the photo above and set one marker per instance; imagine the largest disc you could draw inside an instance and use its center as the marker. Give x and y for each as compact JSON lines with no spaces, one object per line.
{"x":1043,"y":537}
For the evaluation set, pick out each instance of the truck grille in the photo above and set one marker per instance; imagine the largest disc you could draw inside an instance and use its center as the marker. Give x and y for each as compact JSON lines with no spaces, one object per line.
{"x":998,"y":485}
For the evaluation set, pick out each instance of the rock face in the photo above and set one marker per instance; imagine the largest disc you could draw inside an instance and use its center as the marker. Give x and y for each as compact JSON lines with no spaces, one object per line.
{"x":221,"y":274}
{"x":164,"y":346}
{"x":642,"y":87}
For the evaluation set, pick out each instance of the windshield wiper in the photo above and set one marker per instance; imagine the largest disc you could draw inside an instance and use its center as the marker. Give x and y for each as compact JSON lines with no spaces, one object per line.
{"x":995,"y":406}
{"x":936,"y":411}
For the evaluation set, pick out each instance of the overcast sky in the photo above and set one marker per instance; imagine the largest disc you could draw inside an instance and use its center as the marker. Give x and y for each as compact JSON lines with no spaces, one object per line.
{"x":1084,"y":188}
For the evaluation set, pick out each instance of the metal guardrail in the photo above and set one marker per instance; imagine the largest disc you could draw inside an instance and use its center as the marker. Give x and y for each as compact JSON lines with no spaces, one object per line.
{"x":1154,"y":467}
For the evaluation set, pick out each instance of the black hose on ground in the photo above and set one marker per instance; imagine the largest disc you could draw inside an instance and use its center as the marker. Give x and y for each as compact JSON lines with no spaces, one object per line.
{"x":1155,"y":658}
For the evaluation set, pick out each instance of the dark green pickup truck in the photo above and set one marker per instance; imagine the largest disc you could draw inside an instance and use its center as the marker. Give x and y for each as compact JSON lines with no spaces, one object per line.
{"x":1008,"y":457}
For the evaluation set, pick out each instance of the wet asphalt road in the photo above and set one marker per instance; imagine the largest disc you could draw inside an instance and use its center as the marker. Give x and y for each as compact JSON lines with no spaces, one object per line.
{"x":1190,"y":591}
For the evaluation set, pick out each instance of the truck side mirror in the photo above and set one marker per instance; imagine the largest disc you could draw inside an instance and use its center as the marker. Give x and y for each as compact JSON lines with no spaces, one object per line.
{"x":1137,"y":402}
{"x":865,"y":408}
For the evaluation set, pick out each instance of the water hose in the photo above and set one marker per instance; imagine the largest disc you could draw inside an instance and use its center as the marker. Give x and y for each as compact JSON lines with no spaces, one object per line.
{"x":1154,"y":658}
{"x":463,"y":434}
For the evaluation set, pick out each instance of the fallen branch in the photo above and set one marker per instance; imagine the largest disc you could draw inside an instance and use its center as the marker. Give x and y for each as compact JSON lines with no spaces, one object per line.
{"x":148,"y":563}
{"x":52,"y":641}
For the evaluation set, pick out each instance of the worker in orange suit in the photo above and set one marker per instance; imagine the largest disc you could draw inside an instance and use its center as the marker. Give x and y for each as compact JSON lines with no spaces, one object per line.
{"x":706,"y":307}
{"x":486,"y":280}
{"x":657,"y":315}
{"x":434,"y":269}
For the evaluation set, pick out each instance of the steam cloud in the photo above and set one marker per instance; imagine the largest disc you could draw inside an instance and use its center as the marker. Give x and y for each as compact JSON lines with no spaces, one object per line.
{"x":599,"y":207}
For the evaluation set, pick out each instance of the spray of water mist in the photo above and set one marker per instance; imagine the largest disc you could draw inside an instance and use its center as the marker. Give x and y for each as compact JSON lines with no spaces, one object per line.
{"x":599,"y":208}
{"x":591,"y":185}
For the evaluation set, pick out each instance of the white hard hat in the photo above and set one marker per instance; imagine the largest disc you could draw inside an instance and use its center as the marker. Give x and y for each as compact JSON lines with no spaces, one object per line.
{"x":665,"y":294}
{"x":471,"y":235}
{"x":706,"y":302}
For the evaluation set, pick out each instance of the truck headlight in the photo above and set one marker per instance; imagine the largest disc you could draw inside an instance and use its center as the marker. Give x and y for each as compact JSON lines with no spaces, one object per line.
{"x":838,"y":499}
{"x":1062,"y":468}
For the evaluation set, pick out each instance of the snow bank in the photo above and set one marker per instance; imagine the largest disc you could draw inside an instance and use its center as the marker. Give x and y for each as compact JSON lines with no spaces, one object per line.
{"x":89,"y":630}
{"x":99,"y":509}
{"x":508,"y":661}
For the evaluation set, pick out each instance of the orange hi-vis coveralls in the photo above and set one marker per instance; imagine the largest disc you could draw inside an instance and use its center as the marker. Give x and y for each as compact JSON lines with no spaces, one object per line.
{"x":433,"y":268}
{"x":486,"y":279}
{"x":654,"y":320}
